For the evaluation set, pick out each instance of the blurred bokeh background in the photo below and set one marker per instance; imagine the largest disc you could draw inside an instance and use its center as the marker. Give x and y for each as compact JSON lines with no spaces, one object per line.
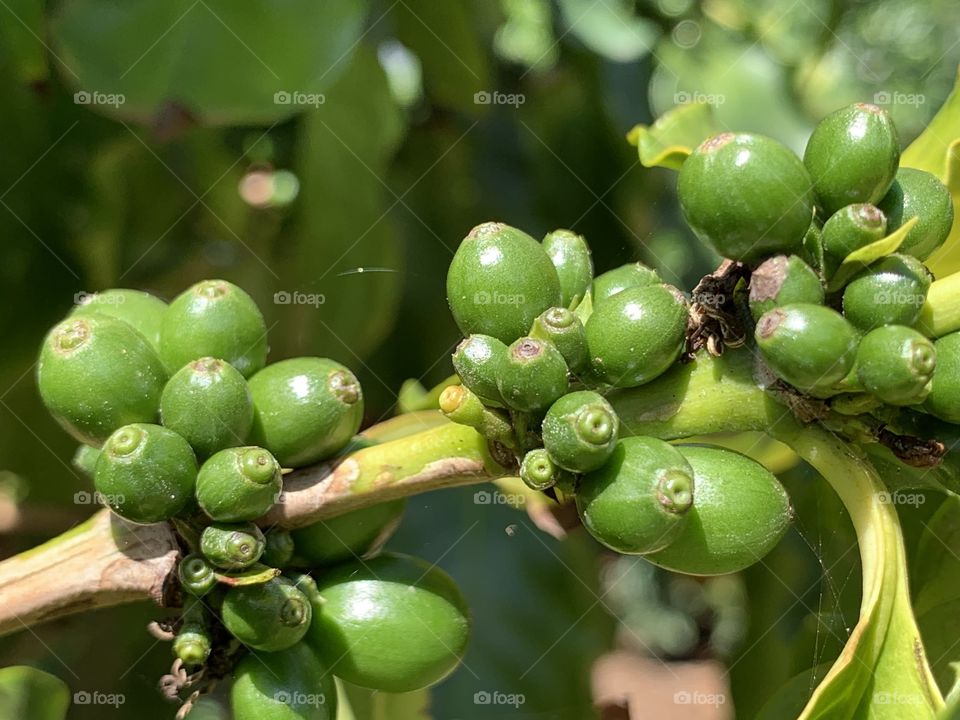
{"x":328,"y":156}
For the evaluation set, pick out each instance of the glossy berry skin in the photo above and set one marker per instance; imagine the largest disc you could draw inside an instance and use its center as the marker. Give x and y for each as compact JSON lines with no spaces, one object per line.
{"x":357,"y":534}
{"x":278,"y":548}
{"x":238,"y":484}
{"x":232,"y":546}
{"x":563,"y":329}
{"x":270,"y":616}
{"x":292,"y":684}
{"x":891,"y":291}
{"x":783,"y":280}
{"x":478,"y":361}
{"x":580,"y":431}
{"x":196,"y":575}
{"x":307,"y":409}
{"x":538,"y":470}
{"x":214,"y":318}
{"x":534,"y":374}
{"x":852,"y":156}
{"x":146,"y":473}
{"x":638,"y":501}
{"x":944,"y":398}
{"x":851,"y":228}
{"x":740,"y":514}
{"x":85,"y":459}
{"x":620,"y":278}
{"x":747,"y":196}
{"x":572,"y":260}
{"x":895,"y":364}
{"x":192,"y":643}
{"x":96,"y":374}
{"x":371,"y":626}
{"x":917,"y":193}
{"x":207,"y":401}
{"x":142,"y":311}
{"x":809,"y":346}
{"x":637,"y":334}
{"x":499,"y":280}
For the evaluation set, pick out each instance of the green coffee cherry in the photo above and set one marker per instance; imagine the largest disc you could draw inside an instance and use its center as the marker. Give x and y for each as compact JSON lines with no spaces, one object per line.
{"x":196,"y":575}
{"x":307,"y":409}
{"x":462,"y":406}
{"x":214,"y":318}
{"x":620,"y":278}
{"x":635,"y":335}
{"x":499,"y":280}
{"x":305,"y":584}
{"x":538,"y":470}
{"x":917,"y":193}
{"x":85,"y":459}
{"x":371,"y":624}
{"x":740,"y":514}
{"x":534,"y":374}
{"x":232,"y":547}
{"x":271,"y":616}
{"x":278,"y":548}
{"x":580,"y":431}
{"x":478,"y":361}
{"x":146,"y":473}
{"x":895,"y":364}
{"x":852,"y":156}
{"x":747,"y":196}
{"x":356,"y":534}
{"x":944,"y":398}
{"x":570,"y":255}
{"x":96,"y":374}
{"x":810,"y":346}
{"x":783,"y":280}
{"x":564,"y":330}
{"x":208,"y":402}
{"x":141,"y":310}
{"x":638,"y":501}
{"x":192,"y":643}
{"x":851,"y":228}
{"x":293,"y":684}
{"x":238,"y":484}
{"x":891,"y":291}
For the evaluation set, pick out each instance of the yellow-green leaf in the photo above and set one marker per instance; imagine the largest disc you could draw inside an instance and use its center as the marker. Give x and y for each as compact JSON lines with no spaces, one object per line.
{"x":861,"y":257}
{"x":674,"y":135}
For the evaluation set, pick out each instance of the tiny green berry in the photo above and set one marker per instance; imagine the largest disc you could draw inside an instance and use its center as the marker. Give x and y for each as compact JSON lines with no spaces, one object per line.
{"x":238,"y":484}
{"x":851,"y":228}
{"x":891,"y":291}
{"x":478,"y":361}
{"x":917,"y":193}
{"x":895,"y":364}
{"x":580,"y":431}
{"x":571,"y":257}
{"x":278,"y":549}
{"x":534,"y":374}
{"x":142,"y":311}
{"x":232,"y":546}
{"x":538,"y":471}
{"x":631,"y":275}
{"x":196,"y":575}
{"x":564,"y":330}
{"x":214,"y":318}
{"x":783,"y":280}
{"x":192,"y":643}
{"x":270,"y":616}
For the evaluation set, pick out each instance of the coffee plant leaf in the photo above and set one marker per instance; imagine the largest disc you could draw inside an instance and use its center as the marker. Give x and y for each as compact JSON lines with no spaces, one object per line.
{"x":30,"y":694}
{"x":860,"y":258}
{"x":674,"y":135}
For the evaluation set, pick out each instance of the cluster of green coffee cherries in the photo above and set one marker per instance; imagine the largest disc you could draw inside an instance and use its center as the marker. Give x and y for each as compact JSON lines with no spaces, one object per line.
{"x":182,"y":420}
{"x":546,"y":344}
{"x":835,"y":243}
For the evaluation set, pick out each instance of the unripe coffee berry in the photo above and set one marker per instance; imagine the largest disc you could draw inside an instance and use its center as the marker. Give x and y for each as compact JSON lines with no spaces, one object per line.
{"x":891,"y":291}
{"x":478,"y":360}
{"x":895,"y":364}
{"x":580,"y":431}
{"x":611,"y":282}
{"x":96,"y":374}
{"x":307,"y":409}
{"x":638,"y":501}
{"x":538,"y":470}
{"x":232,"y":546}
{"x":635,"y":335}
{"x":142,"y":311}
{"x":852,"y":156}
{"x":783,"y":280}
{"x":564,"y":330}
{"x":747,"y":196}
{"x":208,"y":402}
{"x":292,"y":684}
{"x":238,"y":484}
{"x":270,"y":616}
{"x":917,"y":193}
{"x":534,"y":374}
{"x":571,"y":257}
{"x":278,"y":549}
{"x":499,"y":280}
{"x":851,"y":228}
{"x":196,"y":575}
{"x":214,"y":318}
{"x":146,"y":473}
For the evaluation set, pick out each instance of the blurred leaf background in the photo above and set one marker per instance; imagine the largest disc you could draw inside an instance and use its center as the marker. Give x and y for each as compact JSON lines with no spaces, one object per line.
{"x":332,"y":154}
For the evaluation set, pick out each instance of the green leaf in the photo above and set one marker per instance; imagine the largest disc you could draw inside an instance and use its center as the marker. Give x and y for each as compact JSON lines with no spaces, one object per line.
{"x":221,"y":62}
{"x":256,"y":575}
{"x":30,"y":694}
{"x":674,"y":135}
{"x":862,"y":257}
{"x":609,"y":28}
{"x":358,"y":703}
{"x":21,"y":33}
